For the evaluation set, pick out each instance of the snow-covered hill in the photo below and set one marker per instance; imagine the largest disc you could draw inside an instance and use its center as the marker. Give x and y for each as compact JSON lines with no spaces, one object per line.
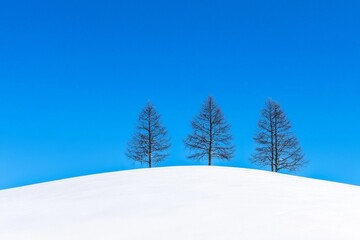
{"x":182,"y":203}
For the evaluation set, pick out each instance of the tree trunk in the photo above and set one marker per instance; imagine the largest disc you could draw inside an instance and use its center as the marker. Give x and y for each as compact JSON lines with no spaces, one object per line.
{"x":211,"y":135}
{"x":150,"y":142}
{"x":276,"y":142}
{"x":272,"y":138}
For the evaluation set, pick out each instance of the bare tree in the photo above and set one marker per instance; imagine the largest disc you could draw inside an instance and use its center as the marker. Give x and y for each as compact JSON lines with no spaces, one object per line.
{"x":210,"y":138}
{"x":150,"y":142}
{"x":277,"y":146}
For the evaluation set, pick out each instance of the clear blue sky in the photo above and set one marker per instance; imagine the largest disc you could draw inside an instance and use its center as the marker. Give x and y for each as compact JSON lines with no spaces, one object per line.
{"x":75,"y":74}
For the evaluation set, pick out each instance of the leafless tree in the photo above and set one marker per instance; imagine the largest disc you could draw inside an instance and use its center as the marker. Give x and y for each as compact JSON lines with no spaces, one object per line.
{"x":210,"y":137}
{"x":150,"y":142}
{"x":277,"y":146}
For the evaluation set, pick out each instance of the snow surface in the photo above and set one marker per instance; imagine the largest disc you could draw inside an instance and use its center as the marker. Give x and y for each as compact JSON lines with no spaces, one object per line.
{"x":181,"y":203}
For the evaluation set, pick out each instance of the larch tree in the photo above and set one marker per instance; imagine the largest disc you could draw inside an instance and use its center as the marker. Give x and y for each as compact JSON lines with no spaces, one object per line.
{"x":277,"y":146}
{"x":211,"y":136}
{"x":150,"y":142}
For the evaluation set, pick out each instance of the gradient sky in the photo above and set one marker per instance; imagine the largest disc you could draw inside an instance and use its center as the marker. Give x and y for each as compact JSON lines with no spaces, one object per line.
{"x":75,"y":74}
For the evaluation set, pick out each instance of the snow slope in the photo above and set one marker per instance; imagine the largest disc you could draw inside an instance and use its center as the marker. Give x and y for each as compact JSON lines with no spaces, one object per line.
{"x":181,"y":203}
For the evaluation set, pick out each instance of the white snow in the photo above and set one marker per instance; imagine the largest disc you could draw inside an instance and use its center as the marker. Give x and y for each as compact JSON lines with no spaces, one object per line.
{"x":182,"y":203}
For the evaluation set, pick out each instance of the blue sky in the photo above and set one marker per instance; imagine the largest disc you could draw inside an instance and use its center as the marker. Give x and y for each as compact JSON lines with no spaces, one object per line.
{"x":75,"y":74}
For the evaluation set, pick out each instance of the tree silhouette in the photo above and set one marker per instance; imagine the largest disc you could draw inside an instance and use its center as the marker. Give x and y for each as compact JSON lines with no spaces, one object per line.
{"x":277,"y":146}
{"x":210,"y":137}
{"x":150,"y":142}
